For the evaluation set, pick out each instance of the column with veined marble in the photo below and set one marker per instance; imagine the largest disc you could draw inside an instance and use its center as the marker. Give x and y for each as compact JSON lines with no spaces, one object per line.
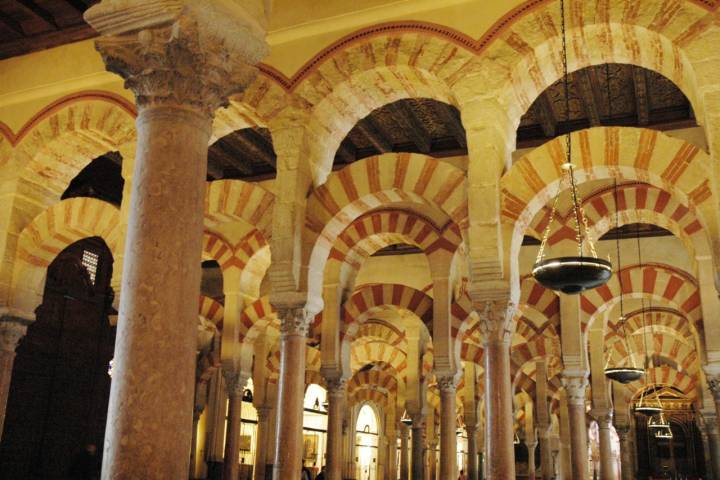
{"x":263,"y":415}
{"x":710,"y":427}
{"x":235,"y":384}
{"x":182,"y":60}
{"x":294,"y":324}
{"x":627,"y":471}
{"x":12,"y":329}
{"x":607,"y":466}
{"x":495,"y":322}
{"x":531,"y":458}
{"x":448,"y":426}
{"x":404,"y":452}
{"x":472,"y":453}
{"x":417,"y":466}
{"x":336,"y":410}
{"x":575,"y":383}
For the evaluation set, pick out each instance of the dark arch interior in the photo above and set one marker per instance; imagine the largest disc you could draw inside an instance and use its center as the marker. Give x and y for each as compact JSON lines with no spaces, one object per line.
{"x":101,"y":179}
{"x":245,"y":154}
{"x":638,"y":97}
{"x":416,"y":125}
{"x":60,"y":385}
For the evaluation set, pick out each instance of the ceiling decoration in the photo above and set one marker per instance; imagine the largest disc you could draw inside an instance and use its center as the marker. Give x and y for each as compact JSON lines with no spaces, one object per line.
{"x":31,"y":25}
{"x":246,"y":154}
{"x":638,"y":97}
{"x":417,"y":125}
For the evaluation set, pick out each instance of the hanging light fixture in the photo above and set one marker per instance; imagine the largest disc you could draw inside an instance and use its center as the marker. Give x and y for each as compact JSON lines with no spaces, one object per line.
{"x":405,"y":419}
{"x":570,"y":275}
{"x":665,"y":433}
{"x":628,"y":373}
{"x":658,"y":422}
{"x":645,"y":405}
{"x":516,"y":439}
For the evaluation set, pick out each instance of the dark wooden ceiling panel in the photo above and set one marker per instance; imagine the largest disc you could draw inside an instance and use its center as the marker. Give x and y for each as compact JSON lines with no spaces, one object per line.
{"x":30,"y":25}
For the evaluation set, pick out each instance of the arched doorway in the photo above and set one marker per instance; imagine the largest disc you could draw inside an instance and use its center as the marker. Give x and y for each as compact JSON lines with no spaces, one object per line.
{"x":367,"y":435}
{"x":60,"y":384}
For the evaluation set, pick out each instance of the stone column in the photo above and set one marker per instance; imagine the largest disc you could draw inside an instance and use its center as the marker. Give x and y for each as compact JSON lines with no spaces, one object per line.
{"x":499,"y":448}
{"x":710,"y":424}
{"x":336,"y":412}
{"x":12,"y":329}
{"x":294,"y":322}
{"x":546,"y":462}
{"x":182,"y":60}
{"x":575,"y":384}
{"x":627,"y":471}
{"x":404,"y":452}
{"x":392,"y":455}
{"x":448,"y":426}
{"x":235,"y":384}
{"x":418,"y":447}
{"x":607,"y":466}
{"x":263,"y":415}
{"x":472,"y":453}
{"x":432,"y":459}
{"x":531,"y":459}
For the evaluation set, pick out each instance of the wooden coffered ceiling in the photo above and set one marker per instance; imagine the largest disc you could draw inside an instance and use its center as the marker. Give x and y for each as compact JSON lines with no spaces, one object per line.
{"x":31,"y":25}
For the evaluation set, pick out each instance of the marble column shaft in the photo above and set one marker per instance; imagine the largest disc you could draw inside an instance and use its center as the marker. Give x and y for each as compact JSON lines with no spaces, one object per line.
{"x":404,"y":452}
{"x":448,"y":427}
{"x":291,"y":390}
{"x":575,"y":385}
{"x":498,"y":412}
{"x":235,"y":384}
{"x":336,"y":411}
{"x":263,"y":427}
{"x":392,"y":455}
{"x":472,"y":453}
{"x":713,"y":435}
{"x":182,"y":63}
{"x":607,"y":466}
{"x":531,"y":460}
{"x":12,"y":329}
{"x":418,"y":448}
{"x":495,"y":323}
{"x":546,"y":460}
{"x":627,"y":470}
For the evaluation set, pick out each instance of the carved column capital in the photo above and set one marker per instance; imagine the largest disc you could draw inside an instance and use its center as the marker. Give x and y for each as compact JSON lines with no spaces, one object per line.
{"x":293,"y":321}
{"x":712,"y":374}
{"x":336,"y":386}
{"x":710,"y":422}
{"x":496,"y":318}
{"x":623,"y":431}
{"x":603,"y":417}
{"x":234,"y":382}
{"x":12,"y":329}
{"x":447,"y":383}
{"x":575,"y":384}
{"x":179,"y":53}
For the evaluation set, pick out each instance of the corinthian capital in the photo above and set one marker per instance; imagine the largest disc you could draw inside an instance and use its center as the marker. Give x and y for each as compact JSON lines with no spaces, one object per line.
{"x":712,"y":373}
{"x":575,"y":384}
{"x":180,"y":52}
{"x":496,"y":320}
{"x":293,"y":321}
{"x":12,"y":329}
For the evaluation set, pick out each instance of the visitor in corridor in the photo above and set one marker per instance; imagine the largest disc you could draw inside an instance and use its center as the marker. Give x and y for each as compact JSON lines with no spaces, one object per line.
{"x":462,"y":475}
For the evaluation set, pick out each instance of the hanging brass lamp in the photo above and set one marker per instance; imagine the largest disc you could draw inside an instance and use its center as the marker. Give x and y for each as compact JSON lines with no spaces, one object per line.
{"x":575,"y":274}
{"x":631,"y":372}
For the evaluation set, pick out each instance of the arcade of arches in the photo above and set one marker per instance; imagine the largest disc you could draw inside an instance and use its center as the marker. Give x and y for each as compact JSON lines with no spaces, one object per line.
{"x":243,"y":238}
